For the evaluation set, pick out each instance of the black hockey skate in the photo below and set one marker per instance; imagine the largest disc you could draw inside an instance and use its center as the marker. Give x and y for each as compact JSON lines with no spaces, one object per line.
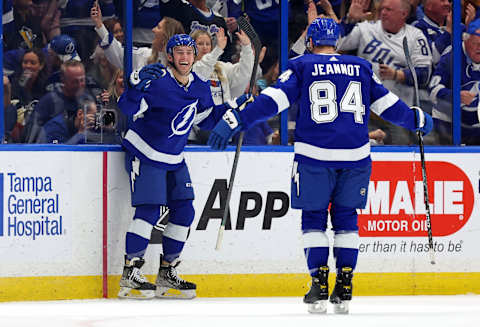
{"x":133,"y":285}
{"x":342,"y":293}
{"x":170,"y":285}
{"x":317,"y":297}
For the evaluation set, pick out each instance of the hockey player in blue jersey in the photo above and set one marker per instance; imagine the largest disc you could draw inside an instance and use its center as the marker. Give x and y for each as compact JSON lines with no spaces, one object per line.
{"x":332,"y":162}
{"x":162,"y":104}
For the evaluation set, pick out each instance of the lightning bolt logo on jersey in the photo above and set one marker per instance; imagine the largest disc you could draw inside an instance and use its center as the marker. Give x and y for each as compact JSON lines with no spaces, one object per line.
{"x":168,"y":111}
{"x":183,"y":121}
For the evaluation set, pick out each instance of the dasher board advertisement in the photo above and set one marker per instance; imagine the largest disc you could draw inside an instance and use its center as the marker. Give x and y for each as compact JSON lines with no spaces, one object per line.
{"x":50,"y":217}
{"x":263,"y":233}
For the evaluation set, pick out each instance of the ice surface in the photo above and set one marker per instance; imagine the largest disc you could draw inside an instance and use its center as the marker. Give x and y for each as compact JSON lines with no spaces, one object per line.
{"x":404,"y":311}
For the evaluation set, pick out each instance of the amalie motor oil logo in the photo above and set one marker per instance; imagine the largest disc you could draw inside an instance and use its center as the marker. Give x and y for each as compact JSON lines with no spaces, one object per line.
{"x":396,"y":205}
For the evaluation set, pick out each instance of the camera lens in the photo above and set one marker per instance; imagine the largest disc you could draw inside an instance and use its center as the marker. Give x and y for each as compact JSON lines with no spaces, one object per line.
{"x":108,"y":118}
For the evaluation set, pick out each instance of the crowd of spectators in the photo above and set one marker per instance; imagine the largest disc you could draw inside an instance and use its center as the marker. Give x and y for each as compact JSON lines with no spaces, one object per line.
{"x":63,"y":60}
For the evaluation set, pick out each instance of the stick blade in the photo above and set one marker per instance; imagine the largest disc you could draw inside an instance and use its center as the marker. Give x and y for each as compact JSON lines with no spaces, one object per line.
{"x":218,"y":245}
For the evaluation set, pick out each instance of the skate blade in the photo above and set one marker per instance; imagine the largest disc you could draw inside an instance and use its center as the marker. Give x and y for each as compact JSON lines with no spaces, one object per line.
{"x":131,"y":293}
{"x":341,"y":308}
{"x":319,"y":307}
{"x":171,"y":293}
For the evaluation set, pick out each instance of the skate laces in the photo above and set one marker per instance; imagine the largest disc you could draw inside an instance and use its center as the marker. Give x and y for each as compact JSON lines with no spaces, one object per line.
{"x":137,"y":276}
{"x":173,"y":275}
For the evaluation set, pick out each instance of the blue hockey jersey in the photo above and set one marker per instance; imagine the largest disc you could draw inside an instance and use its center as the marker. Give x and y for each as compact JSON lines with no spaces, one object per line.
{"x":161,"y":118}
{"x":335,"y":94}
{"x":441,"y":86}
{"x":432,"y":32}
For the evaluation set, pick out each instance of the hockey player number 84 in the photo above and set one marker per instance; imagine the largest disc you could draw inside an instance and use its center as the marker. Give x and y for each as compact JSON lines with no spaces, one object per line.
{"x":323,"y":98}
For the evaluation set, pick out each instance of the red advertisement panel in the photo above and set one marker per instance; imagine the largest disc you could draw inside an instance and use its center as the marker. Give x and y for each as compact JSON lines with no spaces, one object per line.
{"x":396,"y":205}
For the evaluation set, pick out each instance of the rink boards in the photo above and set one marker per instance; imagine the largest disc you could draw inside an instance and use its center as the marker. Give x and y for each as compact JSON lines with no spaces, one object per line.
{"x":65,"y":211}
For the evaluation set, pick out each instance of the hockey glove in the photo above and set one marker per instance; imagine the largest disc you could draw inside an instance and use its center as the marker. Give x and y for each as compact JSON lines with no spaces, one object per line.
{"x":228,"y":126}
{"x":141,"y":80}
{"x":241,"y":102}
{"x":423,"y":121}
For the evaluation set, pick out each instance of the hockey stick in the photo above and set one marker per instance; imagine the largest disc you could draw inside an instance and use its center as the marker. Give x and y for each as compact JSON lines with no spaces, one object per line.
{"x":257,"y":45}
{"x":416,"y":102}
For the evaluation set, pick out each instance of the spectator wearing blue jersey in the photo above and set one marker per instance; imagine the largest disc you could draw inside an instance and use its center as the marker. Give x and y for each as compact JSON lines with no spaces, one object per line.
{"x":441,"y":88}
{"x":433,"y":23}
{"x":71,"y":128}
{"x":162,"y":104}
{"x":443,"y":41}
{"x":332,"y":163}
{"x":66,"y":99}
